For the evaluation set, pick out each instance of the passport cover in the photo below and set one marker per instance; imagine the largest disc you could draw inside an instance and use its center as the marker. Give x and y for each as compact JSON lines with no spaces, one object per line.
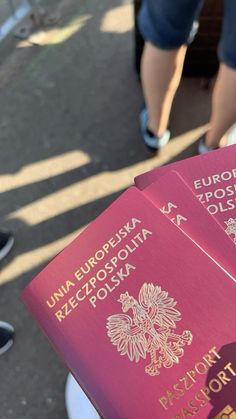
{"x":212,"y":178}
{"x":141,"y":316}
{"x":183,"y":208}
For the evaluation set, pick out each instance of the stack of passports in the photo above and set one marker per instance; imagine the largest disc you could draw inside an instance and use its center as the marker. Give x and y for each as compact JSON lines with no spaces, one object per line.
{"x":141,"y":305}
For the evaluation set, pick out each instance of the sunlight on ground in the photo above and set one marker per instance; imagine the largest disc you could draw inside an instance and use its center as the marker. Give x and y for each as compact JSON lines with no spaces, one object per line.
{"x":102,"y":184}
{"x":44,"y":169}
{"x":178,"y":144}
{"x":70,"y":197}
{"x":88,"y":190}
{"x":55,"y":35}
{"x":118,"y":20}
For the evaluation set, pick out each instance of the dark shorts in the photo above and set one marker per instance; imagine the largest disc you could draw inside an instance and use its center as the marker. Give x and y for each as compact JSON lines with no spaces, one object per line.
{"x":168,"y":24}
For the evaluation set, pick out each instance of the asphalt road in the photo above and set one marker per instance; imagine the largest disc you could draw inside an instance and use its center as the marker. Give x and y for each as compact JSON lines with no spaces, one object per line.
{"x":69,"y":145}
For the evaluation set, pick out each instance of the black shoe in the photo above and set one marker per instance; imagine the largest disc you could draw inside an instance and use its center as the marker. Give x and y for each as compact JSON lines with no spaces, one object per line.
{"x":6,"y":337}
{"x":6,"y":243}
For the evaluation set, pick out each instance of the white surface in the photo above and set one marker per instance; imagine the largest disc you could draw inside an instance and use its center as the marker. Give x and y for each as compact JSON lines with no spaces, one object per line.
{"x":231,"y":135}
{"x":77,"y":404}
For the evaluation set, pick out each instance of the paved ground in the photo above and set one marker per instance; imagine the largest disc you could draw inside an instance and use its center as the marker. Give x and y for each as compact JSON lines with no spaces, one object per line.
{"x":69,"y":144}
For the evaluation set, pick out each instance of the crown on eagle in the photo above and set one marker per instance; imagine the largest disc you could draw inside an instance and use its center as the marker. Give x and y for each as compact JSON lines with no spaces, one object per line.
{"x":230,"y":222}
{"x":124,"y":297}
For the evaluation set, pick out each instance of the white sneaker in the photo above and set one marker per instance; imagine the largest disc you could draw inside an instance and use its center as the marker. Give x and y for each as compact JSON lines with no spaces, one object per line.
{"x":203,"y":148}
{"x":230,"y":140}
{"x":152,"y":142}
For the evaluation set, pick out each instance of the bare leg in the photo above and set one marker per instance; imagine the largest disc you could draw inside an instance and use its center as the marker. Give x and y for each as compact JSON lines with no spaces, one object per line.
{"x":223,"y":114}
{"x":161,"y":72}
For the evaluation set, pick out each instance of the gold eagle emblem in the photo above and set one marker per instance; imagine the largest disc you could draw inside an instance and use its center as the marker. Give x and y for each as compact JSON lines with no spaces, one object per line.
{"x":149,"y":330}
{"x":231,"y":227}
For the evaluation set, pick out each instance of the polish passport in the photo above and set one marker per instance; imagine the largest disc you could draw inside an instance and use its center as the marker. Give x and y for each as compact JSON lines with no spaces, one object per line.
{"x":143,"y":318}
{"x":212,"y":178}
{"x":182,"y":207}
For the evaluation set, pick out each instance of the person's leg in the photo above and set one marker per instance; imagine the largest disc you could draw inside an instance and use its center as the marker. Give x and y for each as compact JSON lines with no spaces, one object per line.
{"x":223,"y":114}
{"x":166,"y":28}
{"x":161,"y":72}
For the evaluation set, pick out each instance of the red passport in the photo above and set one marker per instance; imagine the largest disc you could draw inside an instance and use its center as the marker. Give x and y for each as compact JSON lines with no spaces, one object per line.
{"x":212,"y":178}
{"x":142,"y":317}
{"x":182,"y":207}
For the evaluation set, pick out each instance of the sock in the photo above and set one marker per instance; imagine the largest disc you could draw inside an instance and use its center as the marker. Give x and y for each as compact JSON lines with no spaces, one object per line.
{"x":150,"y":133}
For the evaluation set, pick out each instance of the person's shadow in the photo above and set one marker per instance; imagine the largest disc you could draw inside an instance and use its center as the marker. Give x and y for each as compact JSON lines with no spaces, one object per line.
{"x":221,"y":384}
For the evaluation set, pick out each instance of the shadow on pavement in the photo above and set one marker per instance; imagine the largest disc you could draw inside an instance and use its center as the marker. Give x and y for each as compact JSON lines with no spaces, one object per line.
{"x":80,"y":94}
